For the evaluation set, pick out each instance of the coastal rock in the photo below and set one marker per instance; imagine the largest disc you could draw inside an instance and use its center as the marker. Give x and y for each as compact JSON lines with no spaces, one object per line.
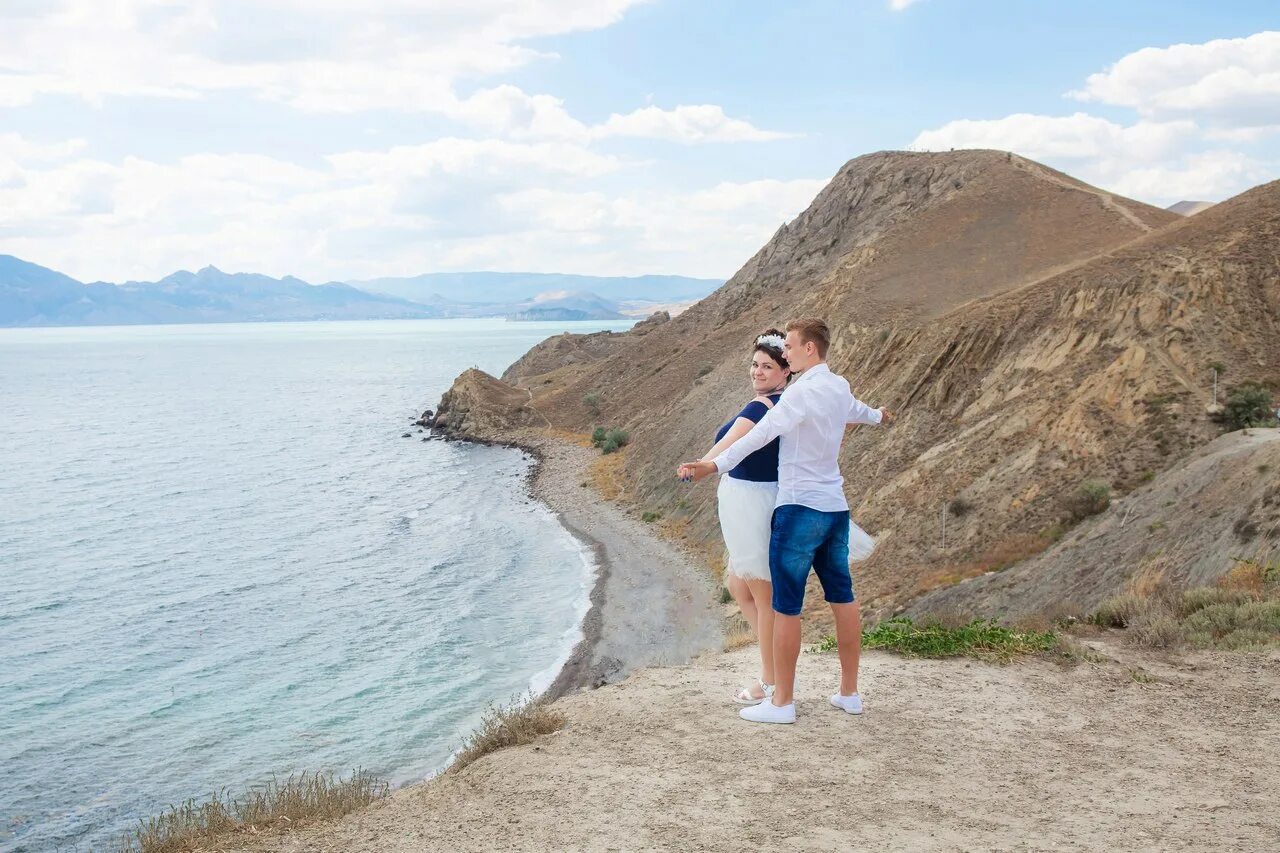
{"x":480,"y":407}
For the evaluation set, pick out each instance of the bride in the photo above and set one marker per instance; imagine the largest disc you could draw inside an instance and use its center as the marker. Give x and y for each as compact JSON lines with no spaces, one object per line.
{"x":746,"y":498}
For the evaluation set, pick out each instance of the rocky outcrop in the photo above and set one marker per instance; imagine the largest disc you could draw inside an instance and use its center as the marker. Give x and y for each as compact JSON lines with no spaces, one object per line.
{"x":481,"y":408}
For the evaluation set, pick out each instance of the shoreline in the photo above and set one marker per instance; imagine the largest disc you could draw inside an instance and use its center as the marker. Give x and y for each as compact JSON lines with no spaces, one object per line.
{"x":638,"y":568}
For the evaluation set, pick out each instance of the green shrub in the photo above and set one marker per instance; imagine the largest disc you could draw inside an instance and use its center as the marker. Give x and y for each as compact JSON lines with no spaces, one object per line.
{"x":1091,"y":498}
{"x":725,"y":595}
{"x":1248,"y":405}
{"x":982,"y":639}
{"x":609,"y":440}
{"x":592,"y":402}
{"x":650,"y":517}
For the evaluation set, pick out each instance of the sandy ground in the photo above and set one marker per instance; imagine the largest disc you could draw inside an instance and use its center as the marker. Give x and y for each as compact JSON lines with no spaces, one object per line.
{"x":950,"y":755}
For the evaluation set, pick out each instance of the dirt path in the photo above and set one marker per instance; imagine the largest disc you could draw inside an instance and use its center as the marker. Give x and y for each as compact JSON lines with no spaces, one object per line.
{"x":950,"y":755}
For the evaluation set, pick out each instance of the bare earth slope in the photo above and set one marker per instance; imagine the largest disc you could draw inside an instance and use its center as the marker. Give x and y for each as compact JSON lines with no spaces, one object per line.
{"x":1188,"y":527}
{"x":1033,"y":331}
{"x":950,"y":755}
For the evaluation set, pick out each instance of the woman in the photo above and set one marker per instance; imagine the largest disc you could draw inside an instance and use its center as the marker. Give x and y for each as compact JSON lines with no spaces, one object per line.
{"x":746,"y":498}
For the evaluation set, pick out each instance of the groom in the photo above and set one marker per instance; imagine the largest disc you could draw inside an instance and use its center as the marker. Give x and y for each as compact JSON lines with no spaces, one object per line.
{"x":811,"y":519}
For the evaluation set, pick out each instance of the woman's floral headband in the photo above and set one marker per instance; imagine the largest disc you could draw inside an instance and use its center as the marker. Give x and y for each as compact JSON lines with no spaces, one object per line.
{"x":773,"y":341}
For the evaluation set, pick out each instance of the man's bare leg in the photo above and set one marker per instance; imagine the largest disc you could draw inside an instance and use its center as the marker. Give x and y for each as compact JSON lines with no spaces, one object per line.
{"x":848,"y":618}
{"x":786,"y":652}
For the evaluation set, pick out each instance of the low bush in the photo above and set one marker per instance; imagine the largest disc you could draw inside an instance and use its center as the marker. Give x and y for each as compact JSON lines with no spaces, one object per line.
{"x":1248,"y":405}
{"x":508,"y":725}
{"x":1091,"y":498}
{"x":982,"y":639}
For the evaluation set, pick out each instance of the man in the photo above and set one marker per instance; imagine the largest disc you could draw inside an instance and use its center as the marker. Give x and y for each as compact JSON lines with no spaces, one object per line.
{"x":811,"y":519}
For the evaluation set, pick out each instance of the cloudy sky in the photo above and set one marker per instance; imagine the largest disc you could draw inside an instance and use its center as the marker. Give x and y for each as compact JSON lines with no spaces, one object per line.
{"x":333,"y":139}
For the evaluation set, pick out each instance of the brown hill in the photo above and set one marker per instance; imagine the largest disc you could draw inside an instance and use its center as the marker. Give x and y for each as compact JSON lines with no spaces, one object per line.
{"x":1033,"y":331}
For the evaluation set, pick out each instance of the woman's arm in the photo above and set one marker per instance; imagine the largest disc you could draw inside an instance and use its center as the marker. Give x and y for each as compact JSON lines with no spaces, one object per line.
{"x":740,"y":427}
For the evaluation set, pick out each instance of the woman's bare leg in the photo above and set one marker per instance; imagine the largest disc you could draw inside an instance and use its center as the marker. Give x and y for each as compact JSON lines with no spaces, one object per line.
{"x":762,"y":592}
{"x":746,"y":603}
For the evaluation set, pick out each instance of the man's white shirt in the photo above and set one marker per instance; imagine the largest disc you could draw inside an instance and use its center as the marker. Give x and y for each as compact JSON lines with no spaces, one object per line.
{"x":809,"y":420}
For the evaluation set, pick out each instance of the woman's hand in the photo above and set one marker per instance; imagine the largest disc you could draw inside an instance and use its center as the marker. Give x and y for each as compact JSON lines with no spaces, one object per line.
{"x":695,"y":471}
{"x":887,"y":416}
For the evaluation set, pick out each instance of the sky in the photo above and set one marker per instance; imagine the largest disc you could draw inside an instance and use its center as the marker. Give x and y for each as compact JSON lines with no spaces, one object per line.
{"x":338,"y":140}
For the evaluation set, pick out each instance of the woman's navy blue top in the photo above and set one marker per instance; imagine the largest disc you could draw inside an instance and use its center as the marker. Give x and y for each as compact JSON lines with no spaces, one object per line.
{"x":761,"y":466}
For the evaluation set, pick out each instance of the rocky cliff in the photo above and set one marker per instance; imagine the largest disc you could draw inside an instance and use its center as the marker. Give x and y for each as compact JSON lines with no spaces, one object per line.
{"x":1033,"y":331}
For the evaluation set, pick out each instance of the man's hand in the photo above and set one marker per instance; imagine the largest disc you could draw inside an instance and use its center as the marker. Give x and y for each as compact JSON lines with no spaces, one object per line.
{"x":695,"y":471}
{"x":887,"y":416}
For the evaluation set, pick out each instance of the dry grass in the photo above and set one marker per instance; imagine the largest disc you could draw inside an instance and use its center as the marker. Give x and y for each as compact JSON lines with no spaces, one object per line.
{"x":275,"y":805}
{"x":508,"y":725}
{"x":607,"y":477}
{"x":738,"y":636}
{"x":1240,"y":613}
{"x":997,"y":558}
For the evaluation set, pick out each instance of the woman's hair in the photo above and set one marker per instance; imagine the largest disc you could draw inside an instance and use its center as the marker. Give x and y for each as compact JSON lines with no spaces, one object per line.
{"x":771,"y":348}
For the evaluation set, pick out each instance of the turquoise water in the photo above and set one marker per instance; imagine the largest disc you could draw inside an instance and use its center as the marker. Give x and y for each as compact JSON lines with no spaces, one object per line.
{"x":221,"y":560}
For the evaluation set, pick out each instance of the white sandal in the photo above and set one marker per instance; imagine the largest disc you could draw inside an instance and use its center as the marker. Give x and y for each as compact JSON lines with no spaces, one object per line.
{"x":744,"y":697}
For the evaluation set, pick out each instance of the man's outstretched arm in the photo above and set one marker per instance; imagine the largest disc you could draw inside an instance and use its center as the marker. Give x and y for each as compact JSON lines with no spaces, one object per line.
{"x":861,"y":413}
{"x":779,"y":420}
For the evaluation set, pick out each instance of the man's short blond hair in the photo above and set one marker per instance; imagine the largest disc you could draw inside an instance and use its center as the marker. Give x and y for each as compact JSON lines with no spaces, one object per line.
{"x":812,"y":331}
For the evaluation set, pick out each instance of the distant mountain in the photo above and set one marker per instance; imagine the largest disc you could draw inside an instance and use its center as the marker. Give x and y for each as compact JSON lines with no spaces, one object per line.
{"x":32,"y":295}
{"x":562,"y":305}
{"x":513,"y":287}
{"x":1189,"y":208}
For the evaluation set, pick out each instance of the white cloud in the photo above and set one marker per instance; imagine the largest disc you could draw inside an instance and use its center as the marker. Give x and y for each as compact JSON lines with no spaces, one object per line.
{"x":691,"y":123}
{"x":333,"y":55}
{"x":448,"y":204}
{"x":1199,"y":107}
{"x":899,"y":5}
{"x":1231,"y":82}
{"x":1151,"y":161}
{"x":1078,"y":136}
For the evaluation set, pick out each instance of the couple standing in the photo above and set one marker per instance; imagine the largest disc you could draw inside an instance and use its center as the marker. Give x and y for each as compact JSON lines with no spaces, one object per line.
{"x":782,"y":510}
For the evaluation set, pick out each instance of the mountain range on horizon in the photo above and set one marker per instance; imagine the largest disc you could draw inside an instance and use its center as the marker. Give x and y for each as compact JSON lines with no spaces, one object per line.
{"x":33,"y":295}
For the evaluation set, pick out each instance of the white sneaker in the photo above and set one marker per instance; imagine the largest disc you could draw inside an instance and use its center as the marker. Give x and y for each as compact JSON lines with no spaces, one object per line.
{"x":767,"y":712}
{"x":848,"y":704}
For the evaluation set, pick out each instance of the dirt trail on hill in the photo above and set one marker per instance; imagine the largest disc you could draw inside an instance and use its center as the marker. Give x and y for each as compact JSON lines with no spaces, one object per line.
{"x":950,"y":755}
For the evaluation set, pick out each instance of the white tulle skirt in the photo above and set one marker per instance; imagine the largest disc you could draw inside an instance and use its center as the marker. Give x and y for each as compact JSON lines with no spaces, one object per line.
{"x":746,"y":522}
{"x":746,"y":517}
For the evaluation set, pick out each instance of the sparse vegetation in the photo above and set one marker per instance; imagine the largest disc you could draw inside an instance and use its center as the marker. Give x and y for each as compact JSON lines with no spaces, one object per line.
{"x":1091,"y":498}
{"x":1242,"y":612}
{"x":704,"y":370}
{"x":649,"y":517}
{"x":1248,"y":405}
{"x":609,"y":440}
{"x":982,"y":639}
{"x":592,"y":402}
{"x":738,"y":636}
{"x":959,"y":507}
{"x":725,"y":595}
{"x":297,"y":800}
{"x":515,"y":724}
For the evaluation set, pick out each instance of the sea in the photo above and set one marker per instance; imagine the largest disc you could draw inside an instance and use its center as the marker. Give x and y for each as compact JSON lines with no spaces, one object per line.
{"x":222,"y":561}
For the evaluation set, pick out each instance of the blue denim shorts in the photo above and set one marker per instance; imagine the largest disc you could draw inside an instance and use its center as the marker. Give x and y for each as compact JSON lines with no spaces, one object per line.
{"x":801,"y":538}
